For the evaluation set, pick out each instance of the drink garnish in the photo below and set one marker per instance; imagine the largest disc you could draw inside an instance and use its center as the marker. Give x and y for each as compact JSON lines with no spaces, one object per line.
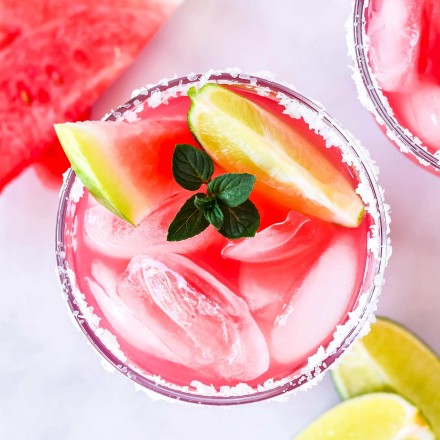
{"x":240,"y":136}
{"x":225,"y":205}
{"x":125,"y":165}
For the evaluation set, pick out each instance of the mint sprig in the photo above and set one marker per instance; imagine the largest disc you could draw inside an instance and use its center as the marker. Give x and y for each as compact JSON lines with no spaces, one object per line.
{"x":225,"y":204}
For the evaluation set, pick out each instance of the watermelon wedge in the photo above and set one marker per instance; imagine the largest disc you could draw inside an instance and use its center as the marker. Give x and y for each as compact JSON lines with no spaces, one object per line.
{"x":53,"y":162}
{"x":51,"y":165}
{"x":125,"y":166}
{"x":56,"y":58}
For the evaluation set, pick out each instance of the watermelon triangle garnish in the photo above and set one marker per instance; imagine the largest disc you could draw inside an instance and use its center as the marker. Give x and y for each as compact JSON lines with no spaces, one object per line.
{"x":57,"y":57}
{"x":126,"y":166}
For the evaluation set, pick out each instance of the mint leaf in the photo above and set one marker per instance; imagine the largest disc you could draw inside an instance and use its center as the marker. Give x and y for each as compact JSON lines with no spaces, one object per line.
{"x":232,"y":189}
{"x":188,"y":222}
{"x":202,"y":200}
{"x":240,"y":221}
{"x":191,"y":167}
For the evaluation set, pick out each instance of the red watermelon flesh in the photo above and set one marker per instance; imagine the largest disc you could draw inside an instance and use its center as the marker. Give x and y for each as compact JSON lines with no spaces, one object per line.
{"x":56,"y":59}
{"x":51,"y":165}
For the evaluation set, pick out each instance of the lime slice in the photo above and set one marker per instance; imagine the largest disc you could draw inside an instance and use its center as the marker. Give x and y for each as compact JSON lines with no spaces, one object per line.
{"x":376,"y":416}
{"x":243,"y":137}
{"x":391,"y":358}
{"x":125,"y":166}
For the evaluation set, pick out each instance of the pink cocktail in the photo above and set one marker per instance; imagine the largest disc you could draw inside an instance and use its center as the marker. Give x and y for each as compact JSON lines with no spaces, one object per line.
{"x":396,"y":47}
{"x":215,"y":320}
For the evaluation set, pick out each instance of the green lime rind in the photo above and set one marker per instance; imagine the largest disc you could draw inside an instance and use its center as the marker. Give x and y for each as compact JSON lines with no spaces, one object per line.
{"x":376,"y":416}
{"x":392,"y":359}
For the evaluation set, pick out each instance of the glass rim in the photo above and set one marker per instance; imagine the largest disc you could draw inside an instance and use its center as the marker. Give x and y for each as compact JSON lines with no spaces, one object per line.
{"x":367,"y":84}
{"x":296,"y":380}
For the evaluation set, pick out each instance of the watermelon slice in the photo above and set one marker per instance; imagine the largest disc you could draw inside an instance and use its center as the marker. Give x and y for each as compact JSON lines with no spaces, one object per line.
{"x":57,"y":58}
{"x":125,"y":166}
{"x":53,"y":162}
{"x":51,"y":165}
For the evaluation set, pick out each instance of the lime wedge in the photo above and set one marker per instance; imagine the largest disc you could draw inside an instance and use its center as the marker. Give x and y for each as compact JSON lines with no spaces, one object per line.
{"x":376,"y":416}
{"x":390,"y":358}
{"x":243,"y":137}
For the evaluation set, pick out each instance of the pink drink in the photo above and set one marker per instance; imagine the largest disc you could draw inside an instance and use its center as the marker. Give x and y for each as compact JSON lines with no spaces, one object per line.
{"x":209,"y":310}
{"x":403,"y":53}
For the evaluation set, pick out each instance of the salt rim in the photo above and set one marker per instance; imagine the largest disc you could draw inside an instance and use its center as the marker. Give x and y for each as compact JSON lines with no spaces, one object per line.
{"x":334,"y":136}
{"x":366,"y":84}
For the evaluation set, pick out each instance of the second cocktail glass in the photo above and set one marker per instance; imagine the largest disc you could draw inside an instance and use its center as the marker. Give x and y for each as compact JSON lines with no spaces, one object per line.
{"x":394,"y":46}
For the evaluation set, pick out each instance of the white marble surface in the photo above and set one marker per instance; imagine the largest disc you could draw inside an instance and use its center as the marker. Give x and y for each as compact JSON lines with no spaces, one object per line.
{"x":52,"y":385}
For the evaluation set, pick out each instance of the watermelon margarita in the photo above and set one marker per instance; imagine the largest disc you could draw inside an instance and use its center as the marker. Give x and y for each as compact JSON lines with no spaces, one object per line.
{"x":396,"y":50}
{"x":210,"y":319}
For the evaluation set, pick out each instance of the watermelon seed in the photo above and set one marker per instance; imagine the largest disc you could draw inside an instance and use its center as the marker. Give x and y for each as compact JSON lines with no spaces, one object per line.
{"x":54,"y":74}
{"x":24,"y":92}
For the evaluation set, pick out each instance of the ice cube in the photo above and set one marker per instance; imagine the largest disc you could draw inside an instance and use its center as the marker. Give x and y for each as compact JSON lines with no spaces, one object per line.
{"x":266,"y":288}
{"x":421,"y":113}
{"x":194,"y":319}
{"x":318,"y":306}
{"x":279,"y":241}
{"x":123,"y":319}
{"x":112,"y":236}
{"x":394,"y":28}
{"x":276,"y":260}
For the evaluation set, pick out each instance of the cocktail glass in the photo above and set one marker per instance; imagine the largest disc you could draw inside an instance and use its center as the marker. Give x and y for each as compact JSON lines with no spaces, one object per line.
{"x":373,"y":97}
{"x":354,"y":325}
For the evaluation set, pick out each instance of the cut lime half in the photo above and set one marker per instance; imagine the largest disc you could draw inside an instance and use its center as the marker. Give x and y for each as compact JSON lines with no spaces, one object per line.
{"x":243,"y":137}
{"x":390,"y":358}
{"x":376,"y":416}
